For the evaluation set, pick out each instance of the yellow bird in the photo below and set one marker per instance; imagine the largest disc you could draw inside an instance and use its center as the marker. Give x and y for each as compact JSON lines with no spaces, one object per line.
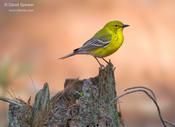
{"x":104,"y":43}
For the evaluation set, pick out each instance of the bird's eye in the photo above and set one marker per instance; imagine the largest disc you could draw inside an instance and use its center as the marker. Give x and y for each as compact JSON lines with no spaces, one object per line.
{"x":116,"y":25}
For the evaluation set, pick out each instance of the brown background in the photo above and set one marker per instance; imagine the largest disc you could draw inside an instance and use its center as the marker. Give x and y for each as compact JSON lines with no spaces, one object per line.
{"x":31,"y":42}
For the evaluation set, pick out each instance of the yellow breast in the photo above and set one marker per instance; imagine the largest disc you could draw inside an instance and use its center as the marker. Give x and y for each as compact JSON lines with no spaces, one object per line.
{"x":113,"y":46}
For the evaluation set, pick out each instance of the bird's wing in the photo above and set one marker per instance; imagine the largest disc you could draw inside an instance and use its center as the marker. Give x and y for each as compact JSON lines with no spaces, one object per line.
{"x":95,"y":42}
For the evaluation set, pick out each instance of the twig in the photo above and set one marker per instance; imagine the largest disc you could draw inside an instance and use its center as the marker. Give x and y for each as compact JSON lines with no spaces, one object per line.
{"x":33,"y":83}
{"x":10,"y":101}
{"x":153,"y":94}
{"x":144,"y":91}
{"x":169,"y":123}
{"x":12,"y":93}
{"x":142,"y":87}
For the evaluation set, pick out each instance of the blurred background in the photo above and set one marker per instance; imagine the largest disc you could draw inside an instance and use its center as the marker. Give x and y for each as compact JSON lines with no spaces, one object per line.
{"x":34,"y":34}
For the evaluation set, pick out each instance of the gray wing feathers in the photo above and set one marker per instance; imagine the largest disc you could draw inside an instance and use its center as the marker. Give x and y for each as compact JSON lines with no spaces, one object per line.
{"x":93,"y":44}
{"x":96,"y":42}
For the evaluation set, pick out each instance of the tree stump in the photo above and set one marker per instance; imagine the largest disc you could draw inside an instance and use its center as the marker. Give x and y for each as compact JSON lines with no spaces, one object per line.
{"x":82,"y":103}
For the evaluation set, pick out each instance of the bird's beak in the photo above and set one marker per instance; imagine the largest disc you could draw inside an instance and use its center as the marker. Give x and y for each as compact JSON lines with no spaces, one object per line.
{"x":125,"y":25}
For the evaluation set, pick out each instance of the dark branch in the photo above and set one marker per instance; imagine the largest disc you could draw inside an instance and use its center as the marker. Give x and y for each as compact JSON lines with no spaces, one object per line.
{"x":147,"y":93}
{"x":142,"y":87}
{"x":169,"y":123}
{"x":10,"y":101}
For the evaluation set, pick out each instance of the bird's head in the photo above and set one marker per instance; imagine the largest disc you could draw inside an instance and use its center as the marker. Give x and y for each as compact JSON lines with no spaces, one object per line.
{"x":115,"y":25}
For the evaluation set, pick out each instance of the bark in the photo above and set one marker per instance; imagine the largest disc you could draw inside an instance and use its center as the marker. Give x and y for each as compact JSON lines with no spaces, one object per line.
{"x":82,"y":103}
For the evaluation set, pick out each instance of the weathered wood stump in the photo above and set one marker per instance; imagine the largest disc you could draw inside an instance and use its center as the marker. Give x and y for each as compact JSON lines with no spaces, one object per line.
{"x":82,"y":103}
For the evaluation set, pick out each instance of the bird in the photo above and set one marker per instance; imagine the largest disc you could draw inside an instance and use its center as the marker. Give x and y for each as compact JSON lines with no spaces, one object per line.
{"x":104,"y":43}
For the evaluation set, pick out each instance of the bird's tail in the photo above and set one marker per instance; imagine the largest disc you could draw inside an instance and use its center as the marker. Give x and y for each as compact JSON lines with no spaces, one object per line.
{"x":68,"y":55}
{"x":75,"y":52}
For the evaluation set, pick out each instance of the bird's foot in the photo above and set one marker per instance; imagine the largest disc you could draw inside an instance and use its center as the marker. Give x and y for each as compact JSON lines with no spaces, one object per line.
{"x":108,"y":62}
